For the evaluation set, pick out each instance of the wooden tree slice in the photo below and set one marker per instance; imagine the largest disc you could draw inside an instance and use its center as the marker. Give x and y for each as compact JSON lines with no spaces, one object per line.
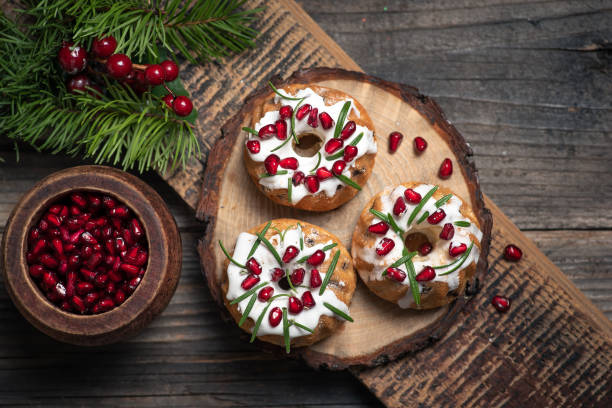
{"x":230,"y":203}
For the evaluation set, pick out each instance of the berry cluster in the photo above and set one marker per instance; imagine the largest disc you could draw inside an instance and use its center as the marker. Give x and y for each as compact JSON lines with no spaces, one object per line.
{"x":73,"y":59}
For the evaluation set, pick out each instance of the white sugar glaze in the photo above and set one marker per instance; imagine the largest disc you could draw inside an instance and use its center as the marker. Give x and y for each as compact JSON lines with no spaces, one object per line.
{"x":439,"y":254}
{"x":367,"y":144}
{"x":308,"y":317}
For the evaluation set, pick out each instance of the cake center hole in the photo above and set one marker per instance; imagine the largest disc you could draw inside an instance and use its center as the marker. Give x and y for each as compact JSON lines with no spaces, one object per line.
{"x":414,"y":241}
{"x":309,"y":144}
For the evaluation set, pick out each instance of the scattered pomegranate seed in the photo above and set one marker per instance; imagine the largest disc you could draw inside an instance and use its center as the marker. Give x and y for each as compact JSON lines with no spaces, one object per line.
{"x":297,"y":276}
{"x":271,"y":164}
{"x":302,"y":111}
{"x":412,"y":196}
{"x":350,"y":152}
{"x":253,"y":266}
{"x":290,"y":253}
{"x":395,"y":138}
{"x":277,"y":274}
{"x":285,"y":112}
{"x":323,"y":173}
{"x":317,"y":258}
{"x":315,"y":279}
{"x":298,"y":178}
{"x":267,"y":131}
{"x":399,"y":207}
{"x":436,"y":217}
{"x":249,"y":282}
{"x":425,"y":248}
{"x":281,"y":129}
{"x":420,"y":144}
{"x":448,"y":231}
{"x":313,"y":119}
{"x":348,"y":130}
{"x":307,"y":300}
{"x":427,"y":274}
{"x":384,"y":246}
{"x":289,"y":163}
{"x":501,"y":303}
{"x":380,"y":228}
{"x":265,"y":293}
{"x":457,"y":250}
{"x":338,"y":167}
{"x":295,"y":305}
{"x":446,"y":169}
{"x":326,"y":121}
{"x":512,"y":253}
{"x":396,"y":274}
{"x":275,"y":316}
{"x":333,"y":145}
{"x":312,"y":183}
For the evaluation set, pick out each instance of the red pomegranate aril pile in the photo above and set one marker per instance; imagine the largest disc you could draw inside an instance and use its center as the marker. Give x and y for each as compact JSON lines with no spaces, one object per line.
{"x":302,"y":111}
{"x":290,"y":253}
{"x":88,"y":253}
{"x":425,"y":248}
{"x":448,"y":231}
{"x":350,"y":152}
{"x":326,"y":120}
{"x":253,"y":146}
{"x":399,"y":207}
{"x":501,"y":303}
{"x":265,"y":294}
{"x":281,"y":129}
{"x":512,"y":253}
{"x":323,"y":173}
{"x":285,"y":112}
{"x":295,"y":305}
{"x":412,"y":196}
{"x":338,"y":167}
{"x":312,"y":184}
{"x":249,"y":282}
{"x":313,"y":119}
{"x":333,"y":145}
{"x":315,"y":279}
{"x":395,"y":274}
{"x":275,"y":316}
{"x":395,"y":138}
{"x":267,"y":131}
{"x":456,"y":250}
{"x":436,"y":217}
{"x":308,"y":300}
{"x":428,"y":273}
{"x":446,"y":169}
{"x":289,"y":163}
{"x":380,"y":228}
{"x":317,"y":258}
{"x":253,"y":266}
{"x":384,"y":246}
{"x":271,"y":164}
{"x":297,"y":276}
{"x":420,"y":144}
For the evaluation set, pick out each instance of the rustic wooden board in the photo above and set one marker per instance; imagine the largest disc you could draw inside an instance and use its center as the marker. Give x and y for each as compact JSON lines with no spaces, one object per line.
{"x":231,"y":203}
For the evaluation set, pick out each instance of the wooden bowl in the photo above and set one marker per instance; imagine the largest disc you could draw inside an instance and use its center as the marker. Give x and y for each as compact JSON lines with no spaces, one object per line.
{"x":152,"y":294}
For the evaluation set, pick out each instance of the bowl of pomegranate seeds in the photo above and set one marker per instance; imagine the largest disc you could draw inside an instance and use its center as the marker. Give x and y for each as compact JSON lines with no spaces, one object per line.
{"x":90,"y":255}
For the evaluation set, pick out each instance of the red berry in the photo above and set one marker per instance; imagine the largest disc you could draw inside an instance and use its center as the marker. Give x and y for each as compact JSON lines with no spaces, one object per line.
{"x":380,"y":228}
{"x":307,"y":300}
{"x":315,"y":279}
{"x":446,"y":169}
{"x":275,"y":316}
{"x":271,"y":164}
{"x":289,"y":163}
{"x":512,"y":253}
{"x":348,"y":130}
{"x":104,"y":47}
{"x":427,"y":274}
{"x":420,"y":144}
{"x":395,"y":139}
{"x":253,"y":266}
{"x":350,"y":152}
{"x":313,"y":120}
{"x":338,"y":167}
{"x":333,"y":145}
{"x":118,"y":65}
{"x":312,"y":183}
{"x":501,"y":303}
{"x":265,"y":293}
{"x":323,"y":173}
{"x":295,"y":305}
{"x":412,"y":196}
{"x":298,"y":178}
{"x":448,"y":231}
{"x":302,"y":111}
{"x":182,"y":105}
{"x":396,"y":274}
{"x":457,"y":250}
{"x":285,"y":112}
{"x":79,"y":83}
{"x":72,"y":58}
{"x":281,"y":129}
{"x":399,"y":207}
{"x":170,"y":69}
{"x":154,"y":74}
{"x":317,"y":258}
{"x":384,"y":246}
{"x":290,"y":253}
{"x":267,"y":132}
{"x":436,"y":217}
{"x":326,"y":121}
{"x":168,"y":100}
{"x":297,"y":276}
{"x":253,"y":146}
{"x":425,"y":248}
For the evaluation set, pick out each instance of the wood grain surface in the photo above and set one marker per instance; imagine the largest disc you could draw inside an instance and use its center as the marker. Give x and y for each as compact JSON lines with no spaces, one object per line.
{"x":527,"y":83}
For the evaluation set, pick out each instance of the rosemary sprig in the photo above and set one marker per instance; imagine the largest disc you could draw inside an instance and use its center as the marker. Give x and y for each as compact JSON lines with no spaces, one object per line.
{"x":379,"y":214}
{"x":286,"y":331}
{"x":342,"y":118}
{"x":247,"y":310}
{"x":271,"y":248}
{"x":289,"y":280}
{"x":232,"y":260}
{"x":463,"y":258}
{"x":293,"y":121}
{"x":301,"y":236}
{"x":278,"y":173}
{"x":403,"y":259}
{"x":318,"y":162}
{"x":414,"y":286}
{"x":276,"y":91}
{"x":462,"y":223}
{"x":248,"y":293}
{"x":348,"y":181}
{"x":421,"y":204}
{"x":341,"y":152}
{"x":338,"y":312}
{"x":423,"y":217}
{"x":443,"y":200}
{"x":257,"y":241}
{"x":330,"y":272}
{"x":301,"y":326}
{"x":250,"y":130}
{"x":289,"y":189}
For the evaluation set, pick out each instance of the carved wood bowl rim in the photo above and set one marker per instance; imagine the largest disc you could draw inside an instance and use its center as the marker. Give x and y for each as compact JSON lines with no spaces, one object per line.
{"x":426,"y":107}
{"x":152,"y":294}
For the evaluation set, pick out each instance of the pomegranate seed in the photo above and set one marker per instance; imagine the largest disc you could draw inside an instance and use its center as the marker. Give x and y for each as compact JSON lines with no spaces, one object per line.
{"x":307,"y":300}
{"x":323,"y":173}
{"x":53,"y":219}
{"x":420,"y":144}
{"x":317,"y":258}
{"x":131,"y":255}
{"x":133,"y":284}
{"x":290,"y":253}
{"x":253,"y":146}
{"x":315,"y":279}
{"x":338,"y":167}
{"x":48,"y":261}
{"x":396,"y":274}
{"x":271,"y":163}
{"x":39,"y":246}
{"x":312,"y":183}
{"x":142,"y":258}
{"x":446,"y":169}
{"x":43,"y":225}
{"x":265,"y":294}
{"x":425,"y":248}
{"x":91,"y":298}
{"x":313,"y":120}
{"x":350,"y":152}
{"x":289,"y":163}
{"x":253,"y":266}
{"x":436,"y":217}
{"x":302,"y":111}
{"x":380,"y":228}
{"x":119,"y":297}
{"x":395,"y":138}
{"x":36,"y":271}
{"x":49,"y":279}
{"x":399,"y":207}
{"x":65,"y":306}
{"x":130,"y":270}
{"x":267,"y":132}
{"x":275,"y":316}
{"x":94,"y":260}
{"x":78,"y":304}
{"x":297,"y":276}
{"x":332,"y":145}
{"x":458,"y":250}
{"x":285,"y":112}
{"x":412,"y":196}
{"x":78,"y":199}
{"x":111,"y":288}
{"x":249,"y":282}
{"x":115,"y":276}
{"x":348,"y":130}
{"x":87,"y":274}
{"x":277,"y":274}
{"x":101,"y":280}
{"x":83,"y":288}
{"x":30,"y":258}
{"x":384,"y":246}
{"x":120,"y":244}
{"x":105,"y":305}
{"x":107,"y":201}
{"x":87,"y":238}
{"x":326,"y":121}
{"x":427,"y":274}
{"x":512,"y":253}
{"x":70,"y":283}
{"x":281,"y":129}
{"x":298,"y":178}
{"x":448,"y":231}
{"x":34,"y":235}
{"x":501,"y":303}
{"x":295,"y":305}
{"x":55,"y":209}
{"x":120,"y":212}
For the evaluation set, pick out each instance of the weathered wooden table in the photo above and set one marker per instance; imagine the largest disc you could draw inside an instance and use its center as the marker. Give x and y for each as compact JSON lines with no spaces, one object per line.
{"x":527,"y":84}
